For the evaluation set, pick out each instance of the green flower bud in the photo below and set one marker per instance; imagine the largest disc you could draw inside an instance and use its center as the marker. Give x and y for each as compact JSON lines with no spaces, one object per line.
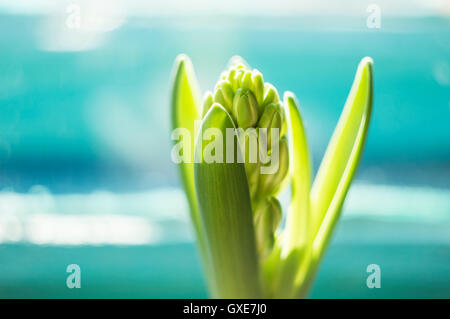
{"x":218,"y":98}
{"x":223,"y":76}
{"x":249,"y":144}
{"x":245,"y":108}
{"x":237,"y":78}
{"x":252,"y":171}
{"x":270,"y":94}
{"x":232,"y":79}
{"x":272,"y":118}
{"x":272,"y":183}
{"x":266,"y":221}
{"x":283,"y":121}
{"x":258,"y":86}
{"x":246,"y":80}
{"x":255,"y":104}
{"x":224,"y":95}
{"x":208,"y":101}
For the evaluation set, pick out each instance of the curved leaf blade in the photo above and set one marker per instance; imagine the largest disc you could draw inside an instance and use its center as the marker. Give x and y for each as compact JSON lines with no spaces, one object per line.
{"x":296,"y":251}
{"x":226,"y":213}
{"x":300,"y":171}
{"x":186,"y":109}
{"x":341,"y":158}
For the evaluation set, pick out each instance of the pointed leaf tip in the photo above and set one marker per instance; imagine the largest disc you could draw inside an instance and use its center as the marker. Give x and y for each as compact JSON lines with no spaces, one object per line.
{"x":185,"y":109}
{"x":300,"y":168}
{"x":341,"y":157}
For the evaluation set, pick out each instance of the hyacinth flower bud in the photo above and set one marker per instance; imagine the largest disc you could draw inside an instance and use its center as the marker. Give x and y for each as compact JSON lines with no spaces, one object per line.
{"x":270,"y":94}
{"x":208,"y":100}
{"x":231,"y":77}
{"x":267,"y":219}
{"x":258,"y":87}
{"x":271,"y":183}
{"x":224,"y":95}
{"x":249,"y":144}
{"x":246,"y":80}
{"x":236,"y":82}
{"x":219,"y":98}
{"x":223,"y":76}
{"x":272,"y":118}
{"x":245,"y":108}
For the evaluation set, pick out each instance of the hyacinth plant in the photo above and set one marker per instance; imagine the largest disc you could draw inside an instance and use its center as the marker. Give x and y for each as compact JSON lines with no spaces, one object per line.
{"x":234,"y":207}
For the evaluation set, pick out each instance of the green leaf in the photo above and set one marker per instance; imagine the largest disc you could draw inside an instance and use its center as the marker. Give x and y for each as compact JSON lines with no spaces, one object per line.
{"x":226,"y":213}
{"x":295,"y":251}
{"x":185,"y":110}
{"x":270,"y":269}
{"x":300,"y":170}
{"x":341,"y":159}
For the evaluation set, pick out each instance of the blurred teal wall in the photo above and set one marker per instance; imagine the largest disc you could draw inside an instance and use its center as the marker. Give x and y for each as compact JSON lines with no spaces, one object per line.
{"x":101,"y":112}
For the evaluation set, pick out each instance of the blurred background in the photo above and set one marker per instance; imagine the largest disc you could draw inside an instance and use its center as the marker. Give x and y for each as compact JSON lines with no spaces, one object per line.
{"x":85,"y":171}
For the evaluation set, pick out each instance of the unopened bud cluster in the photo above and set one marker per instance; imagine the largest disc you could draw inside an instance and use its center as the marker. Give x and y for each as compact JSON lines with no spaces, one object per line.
{"x":253,"y":103}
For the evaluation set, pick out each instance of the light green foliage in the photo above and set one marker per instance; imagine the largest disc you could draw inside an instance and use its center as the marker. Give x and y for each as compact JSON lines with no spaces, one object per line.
{"x":227,"y":218}
{"x":234,"y":208}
